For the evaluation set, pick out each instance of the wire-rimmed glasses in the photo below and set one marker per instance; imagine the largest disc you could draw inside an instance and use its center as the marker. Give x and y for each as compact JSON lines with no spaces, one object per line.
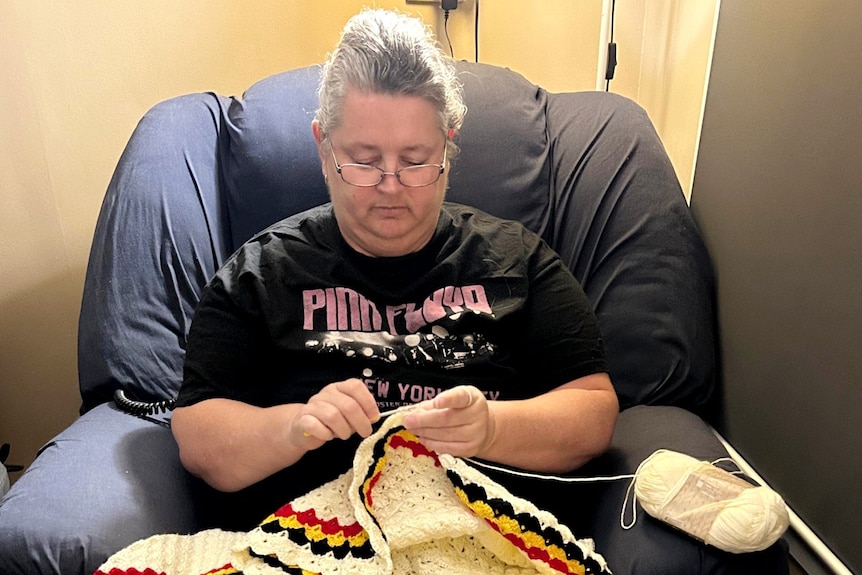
{"x":367,"y":176}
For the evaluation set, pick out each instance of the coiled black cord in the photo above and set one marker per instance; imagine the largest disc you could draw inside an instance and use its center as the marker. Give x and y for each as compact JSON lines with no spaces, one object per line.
{"x":144,"y":409}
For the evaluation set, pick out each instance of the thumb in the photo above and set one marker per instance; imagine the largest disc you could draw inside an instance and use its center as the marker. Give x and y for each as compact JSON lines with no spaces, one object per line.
{"x":460,"y":397}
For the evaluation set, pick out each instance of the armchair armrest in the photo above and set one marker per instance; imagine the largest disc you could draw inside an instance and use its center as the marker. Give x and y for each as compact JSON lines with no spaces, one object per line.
{"x":652,"y":547}
{"x":106,"y":481}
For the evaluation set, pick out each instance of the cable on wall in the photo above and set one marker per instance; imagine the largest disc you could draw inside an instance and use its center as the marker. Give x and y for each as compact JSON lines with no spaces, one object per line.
{"x":448,"y":6}
{"x":476,"y":30}
{"x":612,"y":51}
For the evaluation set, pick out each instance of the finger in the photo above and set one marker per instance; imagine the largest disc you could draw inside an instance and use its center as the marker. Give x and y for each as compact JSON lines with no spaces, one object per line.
{"x":357,"y":406}
{"x":451,"y":411}
{"x":460,"y":397}
{"x":313,"y":433}
{"x":449,"y":434}
{"x":448,"y":448}
{"x":450,"y":443}
{"x":358,"y":391}
{"x":431,"y":418}
{"x":345,"y":407}
{"x":329,"y":416}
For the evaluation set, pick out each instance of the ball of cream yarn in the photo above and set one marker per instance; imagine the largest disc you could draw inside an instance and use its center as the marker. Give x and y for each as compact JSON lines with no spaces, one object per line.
{"x":709,"y":503}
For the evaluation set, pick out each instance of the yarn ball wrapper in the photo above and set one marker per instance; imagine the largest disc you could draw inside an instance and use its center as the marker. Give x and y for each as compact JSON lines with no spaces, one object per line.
{"x":709,"y":503}
{"x":400,"y":510}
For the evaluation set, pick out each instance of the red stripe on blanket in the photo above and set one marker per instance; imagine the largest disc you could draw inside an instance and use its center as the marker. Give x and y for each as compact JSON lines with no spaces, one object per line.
{"x":401,"y":438}
{"x":327,"y":527}
{"x":535,"y":553}
{"x":413,"y":445}
{"x":129,"y":571}
{"x":227,"y":569}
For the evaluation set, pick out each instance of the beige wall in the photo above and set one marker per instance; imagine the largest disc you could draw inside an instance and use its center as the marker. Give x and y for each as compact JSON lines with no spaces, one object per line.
{"x":77,"y":76}
{"x":664,"y":49}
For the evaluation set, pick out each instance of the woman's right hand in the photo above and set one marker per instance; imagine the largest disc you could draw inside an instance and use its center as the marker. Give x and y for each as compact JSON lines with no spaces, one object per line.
{"x":338,"y":410}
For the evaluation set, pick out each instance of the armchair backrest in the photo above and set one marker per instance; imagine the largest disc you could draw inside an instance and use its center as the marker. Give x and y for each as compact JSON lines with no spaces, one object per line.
{"x":203,"y":173}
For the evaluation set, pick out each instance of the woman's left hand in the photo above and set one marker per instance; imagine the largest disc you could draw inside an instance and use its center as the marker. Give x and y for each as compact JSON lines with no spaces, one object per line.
{"x":457,"y":422}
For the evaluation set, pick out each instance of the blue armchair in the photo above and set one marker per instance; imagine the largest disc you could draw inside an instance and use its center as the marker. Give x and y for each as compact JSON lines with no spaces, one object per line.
{"x":203,"y":172}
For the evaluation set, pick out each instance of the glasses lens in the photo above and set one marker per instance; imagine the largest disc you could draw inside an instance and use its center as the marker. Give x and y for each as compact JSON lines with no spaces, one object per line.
{"x":418,"y":176}
{"x":358,"y":175}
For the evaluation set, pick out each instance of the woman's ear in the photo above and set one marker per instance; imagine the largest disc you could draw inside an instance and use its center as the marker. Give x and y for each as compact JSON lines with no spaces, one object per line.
{"x":318,"y":137}
{"x":315,"y":128}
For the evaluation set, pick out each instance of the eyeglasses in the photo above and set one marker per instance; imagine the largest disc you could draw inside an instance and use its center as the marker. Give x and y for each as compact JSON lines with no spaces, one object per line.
{"x":366,"y":176}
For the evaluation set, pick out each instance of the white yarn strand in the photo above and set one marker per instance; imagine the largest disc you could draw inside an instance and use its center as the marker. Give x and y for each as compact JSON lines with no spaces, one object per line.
{"x":547,"y":477}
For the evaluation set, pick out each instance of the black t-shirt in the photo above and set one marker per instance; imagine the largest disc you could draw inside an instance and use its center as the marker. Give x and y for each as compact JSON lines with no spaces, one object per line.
{"x":486,"y":303}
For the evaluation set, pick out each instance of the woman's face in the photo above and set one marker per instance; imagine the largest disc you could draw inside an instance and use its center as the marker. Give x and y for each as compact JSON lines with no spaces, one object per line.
{"x":390,"y":133}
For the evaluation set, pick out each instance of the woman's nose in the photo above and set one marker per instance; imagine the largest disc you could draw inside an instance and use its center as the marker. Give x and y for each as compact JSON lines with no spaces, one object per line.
{"x":389,"y":182}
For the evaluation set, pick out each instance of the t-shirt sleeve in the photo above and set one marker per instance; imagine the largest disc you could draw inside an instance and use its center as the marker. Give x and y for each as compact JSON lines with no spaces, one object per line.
{"x":225,"y":353}
{"x":561,"y":327}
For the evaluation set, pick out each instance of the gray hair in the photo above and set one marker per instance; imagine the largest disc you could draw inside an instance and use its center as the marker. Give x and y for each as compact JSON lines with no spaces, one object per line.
{"x":386,"y":52}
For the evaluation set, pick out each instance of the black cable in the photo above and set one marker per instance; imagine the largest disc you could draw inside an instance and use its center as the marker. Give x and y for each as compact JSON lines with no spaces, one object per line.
{"x":446,"y":29}
{"x":613,"y":18}
{"x":611,"y":46}
{"x":476,"y":31}
{"x":144,"y":409}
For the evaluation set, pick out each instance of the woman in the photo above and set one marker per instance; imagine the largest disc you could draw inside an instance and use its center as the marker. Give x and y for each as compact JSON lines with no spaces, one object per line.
{"x":389,"y":297}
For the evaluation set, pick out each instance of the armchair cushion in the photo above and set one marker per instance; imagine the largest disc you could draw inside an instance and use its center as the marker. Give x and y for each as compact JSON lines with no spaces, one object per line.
{"x":622,"y":225}
{"x":154,"y":248}
{"x":504,"y":164}
{"x":269,"y":158}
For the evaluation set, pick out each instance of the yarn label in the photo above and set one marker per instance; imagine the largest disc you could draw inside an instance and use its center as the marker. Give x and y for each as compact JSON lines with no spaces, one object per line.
{"x":700,"y":499}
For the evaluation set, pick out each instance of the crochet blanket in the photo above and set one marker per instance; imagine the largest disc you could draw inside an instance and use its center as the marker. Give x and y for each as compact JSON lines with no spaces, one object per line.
{"x":401,"y":510}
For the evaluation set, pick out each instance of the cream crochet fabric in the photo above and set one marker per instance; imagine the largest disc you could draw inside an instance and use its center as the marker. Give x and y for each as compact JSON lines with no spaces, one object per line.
{"x":401,"y":510}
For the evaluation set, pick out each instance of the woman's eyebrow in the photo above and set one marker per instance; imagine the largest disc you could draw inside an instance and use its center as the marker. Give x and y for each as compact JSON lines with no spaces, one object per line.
{"x":362,"y":147}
